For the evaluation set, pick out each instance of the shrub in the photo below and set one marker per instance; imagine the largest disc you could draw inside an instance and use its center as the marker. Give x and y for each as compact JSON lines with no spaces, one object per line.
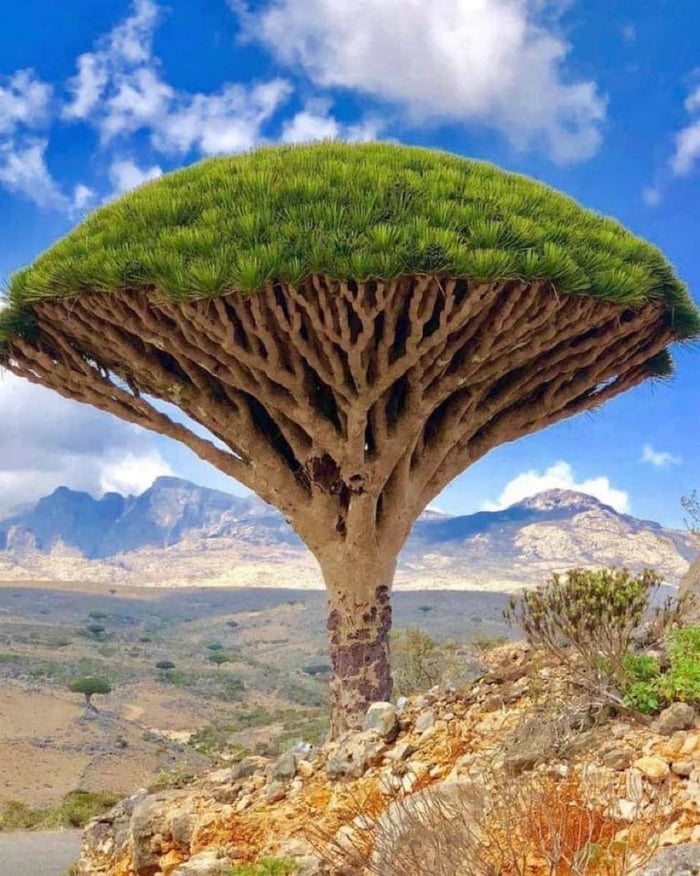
{"x":650,"y":687}
{"x":418,"y":661}
{"x":541,"y":823}
{"x":218,"y":658}
{"x":266,"y":867}
{"x":75,"y":810}
{"x":594,"y":614}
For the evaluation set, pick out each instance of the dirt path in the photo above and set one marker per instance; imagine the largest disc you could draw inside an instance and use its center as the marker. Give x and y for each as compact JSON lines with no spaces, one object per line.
{"x":46,"y":853}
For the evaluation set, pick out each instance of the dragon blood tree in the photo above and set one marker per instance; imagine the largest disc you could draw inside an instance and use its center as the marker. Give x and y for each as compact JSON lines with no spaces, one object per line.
{"x":354,"y":325}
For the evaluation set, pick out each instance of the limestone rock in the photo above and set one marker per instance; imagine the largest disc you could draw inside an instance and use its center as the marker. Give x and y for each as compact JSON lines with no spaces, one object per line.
{"x":683,"y":860}
{"x":425,"y":721}
{"x":618,"y":758}
{"x":275,"y":791}
{"x":351,"y":755}
{"x":205,"y":864}
{"x":382,"y":718}
{"x":678,"y":716}
{"x":284,"y":768}
{"x":653,"y":768}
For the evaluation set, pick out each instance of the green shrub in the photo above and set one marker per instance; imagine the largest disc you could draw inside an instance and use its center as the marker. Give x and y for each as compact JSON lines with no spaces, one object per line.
{"x":650,"y":687}
{"x":75,"y":810}
{"x":594,"y":614}
{"x":266,"y":867}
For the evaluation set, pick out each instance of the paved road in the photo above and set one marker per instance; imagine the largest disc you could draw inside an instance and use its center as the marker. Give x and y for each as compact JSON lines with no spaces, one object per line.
{"x":46,"y":853}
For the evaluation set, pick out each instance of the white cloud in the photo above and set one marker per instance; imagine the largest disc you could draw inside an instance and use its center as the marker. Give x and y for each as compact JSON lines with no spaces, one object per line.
{"x":47,"y":441}
{"x":24,"y":100}
{"x":495,"y":62}
{"x":83,"y":196}
{"x":132,"y":473}
{"x":315,"y":122}
{"x":228,"y":121}
{"x":686,"y":152}
{"x":659,"y":458}
{"x":119,"y":89}
{"x":559,"y":476}
{"x":652,"y":195}
{"x":23,"y":170}
{"x":125,"y":174}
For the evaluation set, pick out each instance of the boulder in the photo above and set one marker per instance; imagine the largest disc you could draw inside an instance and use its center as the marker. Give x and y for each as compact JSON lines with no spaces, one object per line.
{"x":351,"y":755}
{"x":683,"y":860}
{"x":205,"y":864}
{"x":284,"y":768}
{"x":653,"y":768}
{"x":425,"y":721}
{"x":382,"y":718}
{"x":465,"y":674}
{"x":678,"y":716}
{"x":618,"y":758}
{"x":275,"y":791}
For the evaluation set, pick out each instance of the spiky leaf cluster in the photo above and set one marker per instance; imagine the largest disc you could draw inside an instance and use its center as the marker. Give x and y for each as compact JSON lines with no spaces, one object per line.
{"x":348,"y":211}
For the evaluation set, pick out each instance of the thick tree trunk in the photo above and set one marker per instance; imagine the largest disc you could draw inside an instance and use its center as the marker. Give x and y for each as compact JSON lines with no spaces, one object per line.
{"x":359,"y":621}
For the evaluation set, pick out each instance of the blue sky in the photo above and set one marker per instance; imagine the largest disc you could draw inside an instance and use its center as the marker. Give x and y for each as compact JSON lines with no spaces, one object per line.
{"x":605,"y":105}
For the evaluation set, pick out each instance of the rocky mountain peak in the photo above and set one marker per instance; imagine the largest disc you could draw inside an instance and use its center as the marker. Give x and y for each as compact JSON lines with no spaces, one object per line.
{"x":570,"y":501}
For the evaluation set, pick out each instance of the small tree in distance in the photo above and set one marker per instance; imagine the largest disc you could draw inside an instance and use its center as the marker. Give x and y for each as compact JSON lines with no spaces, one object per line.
{"x":354,"y":325}
{"x":165,"y":667}
{"x":215,"y":646}
{"x":218,"y":658}
{"x":89,"y":687}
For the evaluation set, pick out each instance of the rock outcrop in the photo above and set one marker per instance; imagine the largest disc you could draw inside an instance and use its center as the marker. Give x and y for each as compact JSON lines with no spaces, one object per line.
{"x":276,"y":807}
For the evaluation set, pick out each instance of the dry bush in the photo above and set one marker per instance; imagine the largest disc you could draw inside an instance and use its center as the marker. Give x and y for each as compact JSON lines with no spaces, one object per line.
{"x":493,"y":825}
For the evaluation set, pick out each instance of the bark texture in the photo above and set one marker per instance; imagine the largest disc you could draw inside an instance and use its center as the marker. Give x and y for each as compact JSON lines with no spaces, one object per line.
{"x":347,"y":406}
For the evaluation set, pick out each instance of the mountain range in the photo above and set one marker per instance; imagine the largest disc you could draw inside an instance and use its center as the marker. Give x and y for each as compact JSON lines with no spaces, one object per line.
{"x":179,"y":533}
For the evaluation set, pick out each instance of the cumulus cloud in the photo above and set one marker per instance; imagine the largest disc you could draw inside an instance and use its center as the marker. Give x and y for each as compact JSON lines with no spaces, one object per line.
{"x":119,"y":89}
{"x":559,"y":476}
{"x":687,"y":145}
{"x":686,"y":152}
{"x":47,"y":441}
{"x":315,"y":122}
{"x":659,"y":458}
{"x":500,"y":63}
{"x":126,"y":174}
{"x":24,"y":100}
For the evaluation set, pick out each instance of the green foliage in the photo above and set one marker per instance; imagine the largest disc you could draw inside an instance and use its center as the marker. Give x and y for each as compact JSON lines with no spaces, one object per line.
{"x":652,"y":687}
{"x":266,"y":867}
{"x":75,"y":810}
{"x":345,"y":210}
{"x":215,"y":646}
{"x":218,"y":658}
{"x":593,"y":613}
{"x":168,"y":780}
{"x":90,"y":686}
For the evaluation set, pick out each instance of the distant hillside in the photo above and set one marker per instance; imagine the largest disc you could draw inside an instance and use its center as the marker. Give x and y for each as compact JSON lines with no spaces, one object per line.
{"x":177,"y":532}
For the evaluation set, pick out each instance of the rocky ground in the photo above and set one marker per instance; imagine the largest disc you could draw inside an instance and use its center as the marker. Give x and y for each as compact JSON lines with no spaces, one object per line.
{"x":512,"y":716}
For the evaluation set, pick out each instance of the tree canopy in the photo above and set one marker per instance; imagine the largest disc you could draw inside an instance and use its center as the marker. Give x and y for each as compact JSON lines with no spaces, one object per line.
{"x":363,"y":211}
